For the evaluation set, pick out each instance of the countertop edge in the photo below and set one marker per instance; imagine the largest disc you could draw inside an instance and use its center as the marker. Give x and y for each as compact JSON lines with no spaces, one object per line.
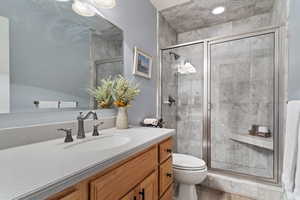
{"x":54,"y":188}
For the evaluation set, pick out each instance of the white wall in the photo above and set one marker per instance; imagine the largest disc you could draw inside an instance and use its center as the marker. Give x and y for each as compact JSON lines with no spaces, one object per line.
{"x":4,"y":65}
{"x":137,"y":18}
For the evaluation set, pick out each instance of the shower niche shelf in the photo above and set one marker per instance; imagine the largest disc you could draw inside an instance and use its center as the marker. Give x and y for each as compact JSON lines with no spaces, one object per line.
{"x":266,"y":143}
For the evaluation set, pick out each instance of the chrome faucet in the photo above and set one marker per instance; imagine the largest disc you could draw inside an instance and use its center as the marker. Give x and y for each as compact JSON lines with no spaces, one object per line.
{"x":81,"y":118}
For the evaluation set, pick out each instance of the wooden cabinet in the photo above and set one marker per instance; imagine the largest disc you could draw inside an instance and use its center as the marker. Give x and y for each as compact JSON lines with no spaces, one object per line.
{"x":124,"y":177}
{"x":144,"y":176}
{"x":168,"y":195}
{"x":165,"y":176}
{"x":146,"y":190}
{"x":77,"y":192}
{"x":165,"y":168}
{"x":165,"y":150}
{"x":75,"y":195}
{"x":133,"y":195}
{"x":72,"y":196}
{"x":149,"y":188}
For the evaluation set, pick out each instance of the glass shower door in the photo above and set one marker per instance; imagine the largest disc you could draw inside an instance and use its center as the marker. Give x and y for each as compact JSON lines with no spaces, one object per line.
{"x":242,"y":93}
{"x":182,"y":95}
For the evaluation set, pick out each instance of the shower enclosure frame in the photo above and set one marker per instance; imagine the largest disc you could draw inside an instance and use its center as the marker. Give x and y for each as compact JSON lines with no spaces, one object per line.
{"x":277,"y":111}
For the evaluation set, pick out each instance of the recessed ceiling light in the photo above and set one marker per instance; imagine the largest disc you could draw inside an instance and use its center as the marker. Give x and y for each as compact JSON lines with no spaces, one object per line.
{"x":218,"y":10}
{"x":83,"y":9}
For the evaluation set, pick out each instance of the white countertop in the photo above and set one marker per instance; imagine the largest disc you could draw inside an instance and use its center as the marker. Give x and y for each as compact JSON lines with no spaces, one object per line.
{"x":40,"y":170}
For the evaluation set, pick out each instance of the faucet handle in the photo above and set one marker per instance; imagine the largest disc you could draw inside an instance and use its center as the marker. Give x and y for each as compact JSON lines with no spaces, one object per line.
{"x":68,"y":132}
{"x":95,"y":131}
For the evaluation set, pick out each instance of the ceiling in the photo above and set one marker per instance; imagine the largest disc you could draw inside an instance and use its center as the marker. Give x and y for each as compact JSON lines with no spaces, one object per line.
{"x":197,"y":13}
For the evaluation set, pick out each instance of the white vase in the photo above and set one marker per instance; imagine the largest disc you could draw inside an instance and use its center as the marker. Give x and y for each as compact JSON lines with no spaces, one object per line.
{"x":122,"y":118}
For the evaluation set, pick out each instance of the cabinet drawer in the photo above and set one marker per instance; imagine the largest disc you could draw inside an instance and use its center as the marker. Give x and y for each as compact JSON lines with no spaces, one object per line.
{"x":73,"y":195}
{"x":165,"y":150}
{"x":165,"y":176}
{"x":168,"y":195}
{"x":116,"y":183}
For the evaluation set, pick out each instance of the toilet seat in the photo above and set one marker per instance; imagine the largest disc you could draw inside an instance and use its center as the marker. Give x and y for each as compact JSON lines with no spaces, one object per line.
{"x":187,"y":162}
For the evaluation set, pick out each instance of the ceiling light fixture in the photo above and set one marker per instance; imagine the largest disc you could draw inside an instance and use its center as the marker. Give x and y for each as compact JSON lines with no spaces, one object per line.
{"x":83,"y":9}
{"x":218,"y":10}
{"x":107,"y":4}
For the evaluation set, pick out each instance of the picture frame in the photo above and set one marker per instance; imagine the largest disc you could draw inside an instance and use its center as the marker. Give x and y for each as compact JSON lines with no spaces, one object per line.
{"x":142,"y":64}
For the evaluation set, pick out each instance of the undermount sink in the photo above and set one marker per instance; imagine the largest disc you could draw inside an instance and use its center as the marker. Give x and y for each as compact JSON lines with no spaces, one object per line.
{"x":99,"y":143}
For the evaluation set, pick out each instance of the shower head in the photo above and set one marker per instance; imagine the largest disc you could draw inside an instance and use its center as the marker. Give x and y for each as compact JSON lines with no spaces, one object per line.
{"x":176,"y":56}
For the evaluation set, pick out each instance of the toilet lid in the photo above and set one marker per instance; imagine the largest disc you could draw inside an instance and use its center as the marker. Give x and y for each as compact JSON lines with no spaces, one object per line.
{"x":183,"y":161}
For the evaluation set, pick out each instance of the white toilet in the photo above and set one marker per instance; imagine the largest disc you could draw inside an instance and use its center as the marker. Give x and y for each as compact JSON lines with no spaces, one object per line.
{"x":188,"y":171}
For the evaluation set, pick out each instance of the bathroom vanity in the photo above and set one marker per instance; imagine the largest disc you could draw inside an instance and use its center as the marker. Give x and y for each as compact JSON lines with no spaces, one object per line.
{"x":146,"y":175}
{"x":132,"y":164}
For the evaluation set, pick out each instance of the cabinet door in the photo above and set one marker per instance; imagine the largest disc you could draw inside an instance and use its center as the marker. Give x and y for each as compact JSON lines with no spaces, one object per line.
{"x":168,"y":195}
{"x":133,"y":195}
{"x":149,"y":187}
{"x":118,"y":182}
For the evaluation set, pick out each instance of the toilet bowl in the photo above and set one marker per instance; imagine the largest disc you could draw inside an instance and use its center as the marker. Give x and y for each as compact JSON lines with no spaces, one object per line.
{"x":188,"y":172}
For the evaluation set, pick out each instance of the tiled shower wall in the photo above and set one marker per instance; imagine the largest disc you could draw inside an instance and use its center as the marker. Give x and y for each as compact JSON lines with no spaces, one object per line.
{"x":233,"y":27}
{"x":167,"y":37}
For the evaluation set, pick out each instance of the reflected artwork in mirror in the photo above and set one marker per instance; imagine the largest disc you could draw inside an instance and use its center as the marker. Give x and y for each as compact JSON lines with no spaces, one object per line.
{"x":50,"y":56}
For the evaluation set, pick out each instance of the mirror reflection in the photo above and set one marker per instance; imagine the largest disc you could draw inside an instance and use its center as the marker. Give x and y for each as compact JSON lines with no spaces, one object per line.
{"x":50,"y":55}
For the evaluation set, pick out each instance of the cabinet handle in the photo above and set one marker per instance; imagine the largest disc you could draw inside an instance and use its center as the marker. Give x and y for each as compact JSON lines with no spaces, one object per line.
{"x":142,"y":193}
{"x":169,"y":175}
{"x":169,"y":150}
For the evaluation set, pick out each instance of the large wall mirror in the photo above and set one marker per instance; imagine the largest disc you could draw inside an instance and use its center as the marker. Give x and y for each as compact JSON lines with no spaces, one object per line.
{"x":50,"y":56}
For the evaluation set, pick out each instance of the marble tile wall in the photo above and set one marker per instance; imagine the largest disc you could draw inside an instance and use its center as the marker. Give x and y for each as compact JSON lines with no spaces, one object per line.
{"x":229,"y":28}
{"x":168,"y":87}
{"x":167,"y":35}
{"x":280,"y":12}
